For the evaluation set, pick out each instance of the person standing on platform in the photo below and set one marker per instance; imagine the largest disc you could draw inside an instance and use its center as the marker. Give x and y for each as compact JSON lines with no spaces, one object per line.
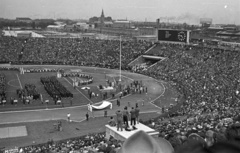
{"x":125,"y":117}
{"x":133,"y":117}
{"x":119,"y":119}
{"x":137,"y":110}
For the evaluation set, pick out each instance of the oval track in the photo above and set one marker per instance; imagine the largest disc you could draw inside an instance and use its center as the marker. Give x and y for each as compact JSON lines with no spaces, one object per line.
{"x":155,"y":90}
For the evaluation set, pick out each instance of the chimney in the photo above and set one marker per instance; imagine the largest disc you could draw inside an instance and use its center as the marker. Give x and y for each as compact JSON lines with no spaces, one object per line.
{"x":158,"y":22}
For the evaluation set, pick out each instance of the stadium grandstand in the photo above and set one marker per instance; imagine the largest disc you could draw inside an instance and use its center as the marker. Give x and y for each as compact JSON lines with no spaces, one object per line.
{"x":202,"y":80}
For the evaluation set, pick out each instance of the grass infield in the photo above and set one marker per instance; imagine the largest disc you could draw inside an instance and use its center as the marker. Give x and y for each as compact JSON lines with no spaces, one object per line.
{"x":80,"y":97}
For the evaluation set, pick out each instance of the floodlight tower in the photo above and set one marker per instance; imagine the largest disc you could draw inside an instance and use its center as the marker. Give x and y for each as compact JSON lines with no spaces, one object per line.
{"x":120,"y":68}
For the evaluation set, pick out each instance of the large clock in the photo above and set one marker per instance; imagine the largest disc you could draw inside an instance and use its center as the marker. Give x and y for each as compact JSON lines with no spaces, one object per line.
{"x":181,"y":36}
{"x":173,"y":35}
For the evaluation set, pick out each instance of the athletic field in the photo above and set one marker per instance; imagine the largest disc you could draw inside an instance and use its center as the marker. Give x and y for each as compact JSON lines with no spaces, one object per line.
{"x":40,"y":118}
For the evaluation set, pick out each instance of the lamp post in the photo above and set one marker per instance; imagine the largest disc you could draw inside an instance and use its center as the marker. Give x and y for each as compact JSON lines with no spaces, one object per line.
{"x":120,"y":68}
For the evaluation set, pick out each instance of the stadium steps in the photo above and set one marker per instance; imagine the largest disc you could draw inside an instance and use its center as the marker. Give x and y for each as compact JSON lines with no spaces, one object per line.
{"x":141,"y":60}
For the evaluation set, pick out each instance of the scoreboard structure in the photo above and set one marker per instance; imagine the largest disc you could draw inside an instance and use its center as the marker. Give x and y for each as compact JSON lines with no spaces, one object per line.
{"x":172,"y":35}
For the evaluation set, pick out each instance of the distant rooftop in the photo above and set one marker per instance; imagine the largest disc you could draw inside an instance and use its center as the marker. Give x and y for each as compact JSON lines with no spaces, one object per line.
{"x":23,"y":18}
{"x":215,"y":28}
{"x":81,"y":23}
{"x":122,"y":21}
{"x":108,"y":22}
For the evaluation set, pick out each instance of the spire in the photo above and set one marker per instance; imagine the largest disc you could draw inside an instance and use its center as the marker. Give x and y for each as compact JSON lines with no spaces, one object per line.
{"x":102,"y":15}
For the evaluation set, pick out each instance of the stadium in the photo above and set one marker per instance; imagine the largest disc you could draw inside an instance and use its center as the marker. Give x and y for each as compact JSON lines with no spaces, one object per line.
{"x":117,"y":88}
{"x":44,"y":79}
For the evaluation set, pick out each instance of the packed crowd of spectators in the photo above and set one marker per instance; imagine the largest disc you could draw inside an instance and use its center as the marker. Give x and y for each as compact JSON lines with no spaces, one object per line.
{"x":140,"y":67}
{"x":2,"y":89}
{"x":10,"y":49}
{"x":209,"y":80}
{"x":2,"y":84}
{"x":208,"y":77}
{"x":89,"y":52}
{"x":85,"y":144}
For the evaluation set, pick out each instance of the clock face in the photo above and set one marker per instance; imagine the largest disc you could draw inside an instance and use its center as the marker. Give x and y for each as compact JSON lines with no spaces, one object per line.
{"x":172,"y":35}
{"x":181,"y":36}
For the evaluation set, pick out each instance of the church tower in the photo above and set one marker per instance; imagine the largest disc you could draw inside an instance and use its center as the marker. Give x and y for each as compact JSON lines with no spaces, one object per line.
{"x":102,"y":17}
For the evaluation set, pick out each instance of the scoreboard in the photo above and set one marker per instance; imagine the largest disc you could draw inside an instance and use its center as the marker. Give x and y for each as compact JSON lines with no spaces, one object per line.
{"x":171,"y":35}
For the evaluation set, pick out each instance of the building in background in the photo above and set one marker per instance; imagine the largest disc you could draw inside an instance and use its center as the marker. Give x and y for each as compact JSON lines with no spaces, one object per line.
{"x":122,"y":24}
{"x":149,"y":38}
{"x":102,"y":21}
{"x":25,"y":20}
{"x":82,"y":26}
{"x":69,"y":28}
{"x":55,"y":27}
{"x":206,"y":22}
{"x":147,"y":30}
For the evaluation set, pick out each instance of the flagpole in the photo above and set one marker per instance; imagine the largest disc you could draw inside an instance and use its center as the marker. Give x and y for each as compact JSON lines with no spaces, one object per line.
{"x":120,"y":59}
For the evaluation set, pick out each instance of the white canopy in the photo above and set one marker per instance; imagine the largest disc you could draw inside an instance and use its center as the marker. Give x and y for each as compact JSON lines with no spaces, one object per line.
{"x":103,"y":105}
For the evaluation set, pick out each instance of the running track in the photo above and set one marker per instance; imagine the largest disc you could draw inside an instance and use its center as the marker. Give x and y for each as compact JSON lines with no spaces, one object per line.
{"x":155,"y":90}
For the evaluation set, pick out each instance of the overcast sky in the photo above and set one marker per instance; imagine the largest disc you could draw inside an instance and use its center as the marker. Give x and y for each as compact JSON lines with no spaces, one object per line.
{"x":221,"y":11}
